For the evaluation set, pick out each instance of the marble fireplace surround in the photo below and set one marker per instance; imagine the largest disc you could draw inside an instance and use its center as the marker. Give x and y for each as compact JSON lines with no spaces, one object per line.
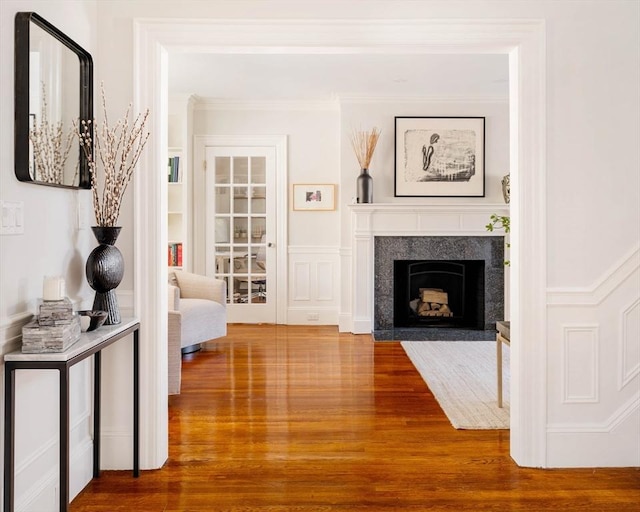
{"x":388,"y":249}
{"x":370,"y":221}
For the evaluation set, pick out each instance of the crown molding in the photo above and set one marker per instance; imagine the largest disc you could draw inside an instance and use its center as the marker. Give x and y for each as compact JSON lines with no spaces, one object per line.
{"x":433,"y":98}
{"x":208,"y":104}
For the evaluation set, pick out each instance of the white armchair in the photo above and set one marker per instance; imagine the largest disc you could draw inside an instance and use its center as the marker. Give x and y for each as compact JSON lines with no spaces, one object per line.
{"x":197,"y":313}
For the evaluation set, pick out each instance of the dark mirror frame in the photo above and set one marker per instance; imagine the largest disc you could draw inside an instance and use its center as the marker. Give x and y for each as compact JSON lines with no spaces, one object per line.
{"x":23,"y":22}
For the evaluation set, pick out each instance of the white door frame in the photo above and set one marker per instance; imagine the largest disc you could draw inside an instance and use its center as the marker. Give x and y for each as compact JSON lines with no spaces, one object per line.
{"x":279,"y":143}
{"x":522,"y":40}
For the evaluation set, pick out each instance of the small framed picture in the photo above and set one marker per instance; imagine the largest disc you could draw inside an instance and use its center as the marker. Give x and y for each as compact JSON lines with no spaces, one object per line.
{"x":439,"y":156}
{"x":314,"y":197}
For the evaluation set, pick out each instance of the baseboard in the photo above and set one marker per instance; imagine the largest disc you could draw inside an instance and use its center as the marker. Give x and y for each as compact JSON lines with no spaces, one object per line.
{"x":613,"y":445}
{"x":312,"y":316}
{"x":344,"y":322}
{"x":116,"y":449}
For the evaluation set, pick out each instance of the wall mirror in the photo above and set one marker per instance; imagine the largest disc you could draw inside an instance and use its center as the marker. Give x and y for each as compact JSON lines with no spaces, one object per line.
{"x":53,"y":89}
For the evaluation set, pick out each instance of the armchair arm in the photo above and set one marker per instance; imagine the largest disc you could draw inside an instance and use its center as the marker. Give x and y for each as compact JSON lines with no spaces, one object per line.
{"x":195,"y":286}
{"x":173,"y":296}
{"x":174,"y":352}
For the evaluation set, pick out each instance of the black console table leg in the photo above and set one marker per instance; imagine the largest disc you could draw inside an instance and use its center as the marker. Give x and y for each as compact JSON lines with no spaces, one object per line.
{"x":9,"y":435}
{"x":64,"y":438}
{"x":136,"y":404}
{"x":97,"y":392}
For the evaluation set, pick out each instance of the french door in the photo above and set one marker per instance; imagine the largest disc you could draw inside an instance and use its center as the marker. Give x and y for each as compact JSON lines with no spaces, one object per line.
{"x":240,"y":229}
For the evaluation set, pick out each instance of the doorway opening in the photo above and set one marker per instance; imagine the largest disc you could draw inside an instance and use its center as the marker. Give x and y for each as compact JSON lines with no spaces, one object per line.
{"x":522,"y":40}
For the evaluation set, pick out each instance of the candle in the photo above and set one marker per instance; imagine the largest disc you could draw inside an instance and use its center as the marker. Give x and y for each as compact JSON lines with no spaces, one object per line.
{"x":53,"y":288}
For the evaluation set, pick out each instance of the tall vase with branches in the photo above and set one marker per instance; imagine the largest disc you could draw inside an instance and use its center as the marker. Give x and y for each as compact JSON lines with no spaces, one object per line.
{"x":364,"y":144}
{"x":112,"y":152}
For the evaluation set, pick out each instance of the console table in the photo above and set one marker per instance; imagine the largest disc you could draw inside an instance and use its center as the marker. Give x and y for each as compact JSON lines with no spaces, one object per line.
{"x":89,"y":344}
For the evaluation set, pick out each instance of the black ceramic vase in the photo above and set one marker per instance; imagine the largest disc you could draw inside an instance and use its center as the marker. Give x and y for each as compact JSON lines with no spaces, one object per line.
{"x":104,"y":269}
{"x":364,"y":187}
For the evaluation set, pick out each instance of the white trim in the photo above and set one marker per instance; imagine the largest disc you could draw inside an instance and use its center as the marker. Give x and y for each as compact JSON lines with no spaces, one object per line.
{"x":280,"y":144}
{"x":595,"y":294}
{"x":528,"y":275}
{"x":13,"y":322}
{"x":523,"y":40}
{"x":626,"y":376}
{"x":314,"y":249}
{"x":616,"y":419}
{"x":207,"y":104}
{"x":150,"y":76}
{"x":11,"y":332}
{"x":424,"y":99}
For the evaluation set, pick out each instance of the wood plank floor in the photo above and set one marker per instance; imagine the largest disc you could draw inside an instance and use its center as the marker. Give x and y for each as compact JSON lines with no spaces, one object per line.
{"x":277,"y":418}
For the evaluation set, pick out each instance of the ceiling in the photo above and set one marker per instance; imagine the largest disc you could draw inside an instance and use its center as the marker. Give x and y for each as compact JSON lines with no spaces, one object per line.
{"x":323,"y":77}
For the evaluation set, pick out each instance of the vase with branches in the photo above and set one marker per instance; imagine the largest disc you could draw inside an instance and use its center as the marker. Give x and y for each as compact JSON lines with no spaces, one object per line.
{"x":364,"y":144}
{"x":112,"y":152}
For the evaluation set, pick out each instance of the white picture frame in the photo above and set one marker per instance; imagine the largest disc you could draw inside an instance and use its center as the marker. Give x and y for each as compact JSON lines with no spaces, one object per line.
{"x":439,"y":157}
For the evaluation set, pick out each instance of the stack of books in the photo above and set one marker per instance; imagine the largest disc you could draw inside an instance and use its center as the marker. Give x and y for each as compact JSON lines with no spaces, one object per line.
{"x":175,"y":254}
{"x":173,"y":170}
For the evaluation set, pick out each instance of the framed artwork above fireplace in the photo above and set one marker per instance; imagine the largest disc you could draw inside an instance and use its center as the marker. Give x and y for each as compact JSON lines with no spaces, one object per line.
{"x":439,"y":156}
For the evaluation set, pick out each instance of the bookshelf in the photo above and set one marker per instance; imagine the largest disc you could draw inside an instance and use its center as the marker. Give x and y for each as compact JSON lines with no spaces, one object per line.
{"x":176,"y":209}
{"x":178,"y":173}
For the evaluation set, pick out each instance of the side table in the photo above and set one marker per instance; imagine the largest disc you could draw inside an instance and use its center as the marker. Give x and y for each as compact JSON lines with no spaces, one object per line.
{"x":503,"y":336}
{"x":89,"y":344}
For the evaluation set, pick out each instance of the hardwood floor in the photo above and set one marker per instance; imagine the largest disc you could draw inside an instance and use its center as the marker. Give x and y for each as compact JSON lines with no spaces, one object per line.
{"x":277,"y":418}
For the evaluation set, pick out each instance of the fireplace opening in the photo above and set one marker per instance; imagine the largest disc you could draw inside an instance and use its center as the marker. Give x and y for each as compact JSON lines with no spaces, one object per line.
{"x":439,"y":293}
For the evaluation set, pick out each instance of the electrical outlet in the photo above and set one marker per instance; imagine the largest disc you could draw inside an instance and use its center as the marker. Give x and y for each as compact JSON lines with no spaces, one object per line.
{"x":313,"y":316}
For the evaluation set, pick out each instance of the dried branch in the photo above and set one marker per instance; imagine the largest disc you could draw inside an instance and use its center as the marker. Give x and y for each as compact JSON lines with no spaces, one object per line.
{"x":364,"y":144}
{"x":117,"y":150}
{"x":50,"y":145}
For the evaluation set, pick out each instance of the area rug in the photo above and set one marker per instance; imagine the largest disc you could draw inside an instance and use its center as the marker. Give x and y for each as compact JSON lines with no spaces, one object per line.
{"x":462,"y":377}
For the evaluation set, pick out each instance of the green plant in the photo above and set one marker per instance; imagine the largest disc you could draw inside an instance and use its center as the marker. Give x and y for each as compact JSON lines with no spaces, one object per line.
{"x":500,"y":222}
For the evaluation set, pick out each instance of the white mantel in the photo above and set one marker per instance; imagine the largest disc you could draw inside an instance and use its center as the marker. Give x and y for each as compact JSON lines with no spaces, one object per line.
{"x":394,"y":219}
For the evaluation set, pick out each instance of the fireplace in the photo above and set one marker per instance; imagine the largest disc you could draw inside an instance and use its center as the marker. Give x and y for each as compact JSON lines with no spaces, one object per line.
{"x":464,"y":272}
{"x":438,"y":293}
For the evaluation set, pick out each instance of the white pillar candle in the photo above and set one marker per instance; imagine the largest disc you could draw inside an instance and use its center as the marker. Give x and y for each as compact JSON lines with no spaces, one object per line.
{"x":53,"y":288}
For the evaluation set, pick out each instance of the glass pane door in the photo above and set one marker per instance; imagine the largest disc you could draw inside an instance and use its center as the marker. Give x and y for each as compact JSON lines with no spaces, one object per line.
{"x":239,"y":227}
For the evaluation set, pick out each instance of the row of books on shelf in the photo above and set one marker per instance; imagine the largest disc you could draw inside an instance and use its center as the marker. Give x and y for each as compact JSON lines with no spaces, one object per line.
{"x":173,"y":169}
{"x":175,"y":254}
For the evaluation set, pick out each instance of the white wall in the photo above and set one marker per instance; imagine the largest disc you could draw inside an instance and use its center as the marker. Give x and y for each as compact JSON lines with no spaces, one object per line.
{"x":51,"y":244}
{"x":313,"y":134}
{"x":365,"y":114}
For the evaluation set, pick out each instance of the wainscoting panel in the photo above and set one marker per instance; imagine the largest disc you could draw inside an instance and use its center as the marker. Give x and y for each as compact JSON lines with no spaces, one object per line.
{"x":301,"y":282}
{"x":593,"y":370}
{"x":629,"y":346}
{"x":580,"y":356}
{"x":326,"y":288}
{"x":314,"y":293}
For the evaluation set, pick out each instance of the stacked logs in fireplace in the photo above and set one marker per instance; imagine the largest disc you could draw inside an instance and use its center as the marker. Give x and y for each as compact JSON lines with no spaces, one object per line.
{"x":433,"y":302}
